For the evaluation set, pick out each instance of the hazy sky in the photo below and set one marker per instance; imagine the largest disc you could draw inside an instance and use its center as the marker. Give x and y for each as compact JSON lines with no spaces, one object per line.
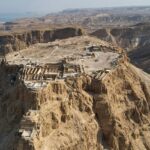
{"x":57,"y":5}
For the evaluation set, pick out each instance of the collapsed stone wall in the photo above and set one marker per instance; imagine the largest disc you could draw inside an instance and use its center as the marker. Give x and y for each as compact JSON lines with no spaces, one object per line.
{"x":18,"y":41}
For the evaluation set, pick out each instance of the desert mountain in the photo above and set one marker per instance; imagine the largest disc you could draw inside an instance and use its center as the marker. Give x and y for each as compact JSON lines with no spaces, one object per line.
{"x":71,"y":93}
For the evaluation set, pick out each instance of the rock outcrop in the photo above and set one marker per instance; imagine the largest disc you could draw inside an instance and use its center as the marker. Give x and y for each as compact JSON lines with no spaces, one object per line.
{"x":92,"y":98}
{"x":78,"y":93}
{"x":122,"y":108}
{"x":106,"y":112}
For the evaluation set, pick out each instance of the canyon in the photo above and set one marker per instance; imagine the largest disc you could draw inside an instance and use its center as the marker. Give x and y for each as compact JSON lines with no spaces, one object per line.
{"x":15,"y":41}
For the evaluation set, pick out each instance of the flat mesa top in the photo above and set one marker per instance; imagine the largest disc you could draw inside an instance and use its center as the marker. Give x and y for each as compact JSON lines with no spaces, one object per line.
{"x":89,"y":52}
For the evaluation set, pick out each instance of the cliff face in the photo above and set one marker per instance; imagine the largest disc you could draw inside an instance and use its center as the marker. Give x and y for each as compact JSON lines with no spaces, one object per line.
{"x":87,"y":113}
{"x":134,"y":39}
{"x":109,"y":112}
{"x":122,"y":108}
{"x":77,"y":103}
{"x":18,"y":41}
{"x":15,"y":101}
{"x":128,"y":37}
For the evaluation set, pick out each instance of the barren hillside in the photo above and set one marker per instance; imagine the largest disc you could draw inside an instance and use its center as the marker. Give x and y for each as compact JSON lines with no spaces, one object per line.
{"x":75,"y":93}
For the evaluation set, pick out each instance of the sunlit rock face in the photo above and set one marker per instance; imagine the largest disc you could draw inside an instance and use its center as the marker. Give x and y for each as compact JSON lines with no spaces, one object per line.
{"x":10,"y":42}
{"x":109,"y":110}
{"x":78,"y":93}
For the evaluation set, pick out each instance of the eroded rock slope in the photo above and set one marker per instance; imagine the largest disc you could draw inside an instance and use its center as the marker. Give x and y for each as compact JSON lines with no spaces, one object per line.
{"x":10,"y":42}
{"x":75,"y":106}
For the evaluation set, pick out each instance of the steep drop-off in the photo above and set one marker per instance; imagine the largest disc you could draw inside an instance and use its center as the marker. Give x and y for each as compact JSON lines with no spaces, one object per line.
{"x":17,"y":41}
{"x":84,"y":112}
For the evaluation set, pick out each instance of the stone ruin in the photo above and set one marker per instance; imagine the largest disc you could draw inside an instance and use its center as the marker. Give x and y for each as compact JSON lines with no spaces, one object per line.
{"x":38,"y":76}
{"x":49,"y":71}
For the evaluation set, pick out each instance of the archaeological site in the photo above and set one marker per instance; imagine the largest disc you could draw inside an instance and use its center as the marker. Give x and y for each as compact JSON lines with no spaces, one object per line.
{"x":76,"y":80}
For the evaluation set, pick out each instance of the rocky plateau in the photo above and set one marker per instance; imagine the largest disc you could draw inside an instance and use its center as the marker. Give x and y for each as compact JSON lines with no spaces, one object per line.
{"x":68,"y":81}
